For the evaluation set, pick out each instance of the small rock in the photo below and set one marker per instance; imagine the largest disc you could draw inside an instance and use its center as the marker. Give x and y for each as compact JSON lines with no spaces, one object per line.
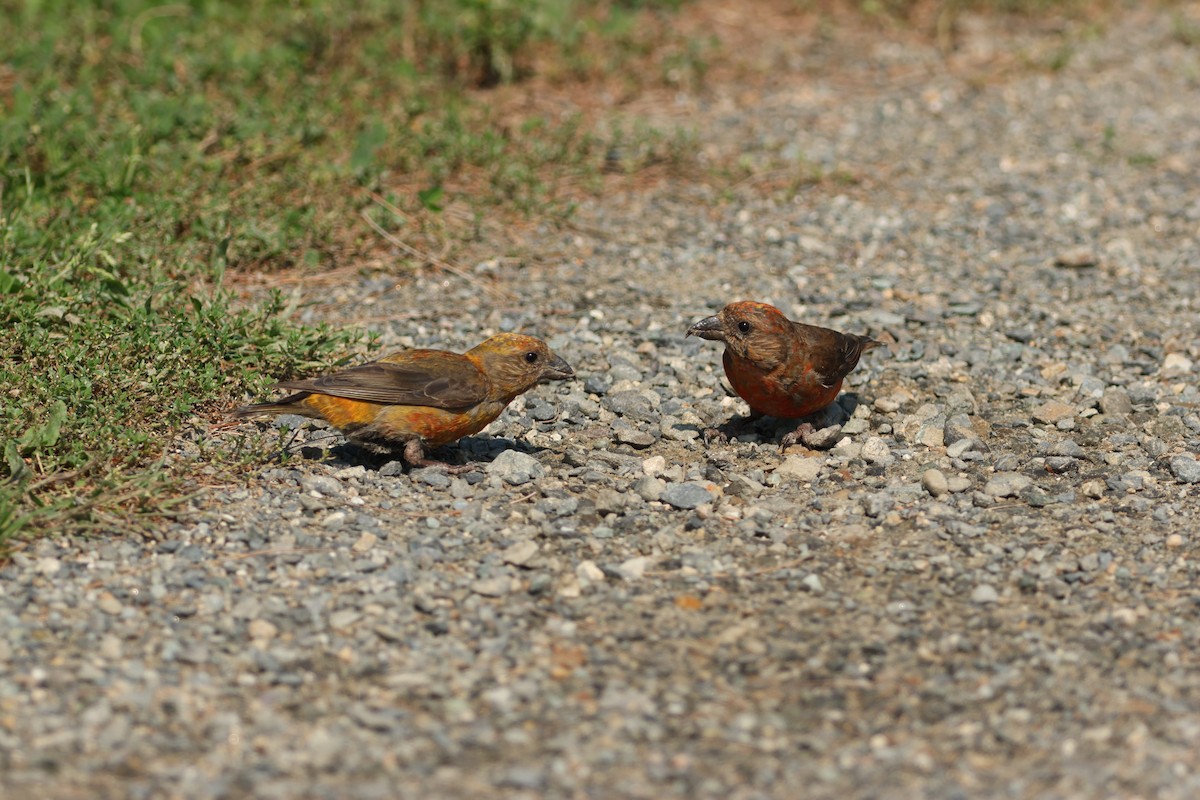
{"x":110,"y":647}
{"x":744,"y":487}
{"x":588,"y":572}
{"x":324,"y":485}
{"x":824,"y":438}
{"x":518,"y":554}
{"x":1176,"y":364}
{"x":654,"y":465}
{"x":1094,"y":489}
{"x":798,"y":468}
{"x":812,"y":582}
{"x":392,"y":468}
{"x":855,"y":426}
{"x":961,"y":446}
{"x":1006,"y":484}
{"x":935,"y":482}
{"x":496,"y":586}
{"x":630,"y":435}
{"x":1116,"y":401}
{"x":432,"y":476}
{"x":1068,"y":448}
{"x":1076,"y":258}
{"x":1175,"y":540}
{"x":687,"y":495}
{"x":633,"y":404}
{"x":1052,"y":412}
{"x":515,"y":468}
{"x":344,"y":618}
{"x":886,"y":405}
{"x":594,"y":384}
{"x":109,"y":604}
{"x":364,"y":543}
{"x":957,"y":428}
{"x":957,"y":484}
{"x":1034,"y":496}
{"x":984,"y":594}
{"x":609,"y":501}
{"x":262,"y":629}
{"x":48,"y":566}
{"x":1186,"y":469}
{"x":334,"y":520}
{"x":931,"y":433}
{"x":876,"y":451}
{"x":634,"y":569}
{"x":649,"y":488}
{"x":877,"y":504}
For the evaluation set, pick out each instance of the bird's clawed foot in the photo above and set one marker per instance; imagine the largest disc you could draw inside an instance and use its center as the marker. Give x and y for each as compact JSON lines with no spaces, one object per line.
{"x":736,"y":427}
{"x":414,"y":456}
{"x":797,"y":436}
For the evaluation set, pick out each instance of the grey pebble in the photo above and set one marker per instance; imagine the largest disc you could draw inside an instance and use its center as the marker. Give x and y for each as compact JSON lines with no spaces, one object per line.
{"x":497,"y":586}
{"x":824,"y":438}
{"x":519,"y":553}
{"x":324,"y":485}
{"x":515,"y":467}
{"x":876,"y":451}
{"x":934,"y":481}
{"x":799,"y":468}
{"x":1115,"y":401}
{"x":431,"y":476}
{"x":743,"y":486}
{"x":1186,"y":469}
{"x":984,"y":594}
{"x":109,"y":604}
{"x":628,"y":434}
{"x":686,"y":495}
{"x":1006,"y":484}
{"x":649,"y":488}
{"x":633,"y":404}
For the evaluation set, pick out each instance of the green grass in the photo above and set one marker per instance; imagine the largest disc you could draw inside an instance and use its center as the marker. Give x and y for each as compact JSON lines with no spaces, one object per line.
{"x":148,"y":149}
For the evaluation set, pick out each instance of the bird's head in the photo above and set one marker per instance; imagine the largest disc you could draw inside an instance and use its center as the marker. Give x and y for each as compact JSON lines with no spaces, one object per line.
{"x":748,"y":329}
{"x":515,"y":363}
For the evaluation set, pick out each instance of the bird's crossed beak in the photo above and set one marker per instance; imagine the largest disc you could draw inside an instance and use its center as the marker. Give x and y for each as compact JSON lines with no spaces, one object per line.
{"x":708,"y":328}
{"x":557,"y":370}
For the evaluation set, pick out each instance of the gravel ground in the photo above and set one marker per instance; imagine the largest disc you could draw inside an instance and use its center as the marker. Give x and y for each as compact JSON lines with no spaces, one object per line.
{"x":982,"y":585}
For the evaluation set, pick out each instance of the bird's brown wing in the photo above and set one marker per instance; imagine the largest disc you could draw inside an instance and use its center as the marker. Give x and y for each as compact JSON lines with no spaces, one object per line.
{"x":831,"y":353}
{"x":412,"y":378}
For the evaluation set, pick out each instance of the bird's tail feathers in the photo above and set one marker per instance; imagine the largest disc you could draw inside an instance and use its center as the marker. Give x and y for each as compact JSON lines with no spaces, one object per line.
{"x":288,"y":405}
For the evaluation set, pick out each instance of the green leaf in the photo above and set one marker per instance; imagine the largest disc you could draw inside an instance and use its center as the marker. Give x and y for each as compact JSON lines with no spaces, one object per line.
{"x":40,"y":437}
{"x":368,"y":142}
{"x":12,"y":459}
{"x":53,"y":428}
{"x":431,"y":198}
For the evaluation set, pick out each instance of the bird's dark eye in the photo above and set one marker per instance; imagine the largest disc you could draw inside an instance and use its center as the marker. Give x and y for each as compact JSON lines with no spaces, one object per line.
{"x":531,"y":357}
{"x":744,"y":326}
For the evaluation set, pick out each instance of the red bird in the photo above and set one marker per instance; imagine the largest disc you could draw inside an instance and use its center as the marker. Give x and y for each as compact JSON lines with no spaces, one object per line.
{"x":780,"y":367}
{"x":422,"y":398}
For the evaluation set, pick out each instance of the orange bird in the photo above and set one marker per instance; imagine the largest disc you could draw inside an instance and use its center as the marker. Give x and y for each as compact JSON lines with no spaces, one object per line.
{"x":780,"y":367}
{"x":420,"y":399}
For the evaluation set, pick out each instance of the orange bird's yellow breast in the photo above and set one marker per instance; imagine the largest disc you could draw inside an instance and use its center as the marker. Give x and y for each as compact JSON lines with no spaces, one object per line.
{"x":399,"y":423}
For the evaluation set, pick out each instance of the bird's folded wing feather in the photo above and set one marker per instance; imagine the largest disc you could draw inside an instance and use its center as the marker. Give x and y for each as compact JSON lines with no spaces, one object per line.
{"x":414,"y":377}
{"x":833,"y":354}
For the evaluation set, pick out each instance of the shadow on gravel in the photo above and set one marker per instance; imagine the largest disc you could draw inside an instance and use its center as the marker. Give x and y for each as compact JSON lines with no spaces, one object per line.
{"x":474,"y":450}
{"x":771,"y":429}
